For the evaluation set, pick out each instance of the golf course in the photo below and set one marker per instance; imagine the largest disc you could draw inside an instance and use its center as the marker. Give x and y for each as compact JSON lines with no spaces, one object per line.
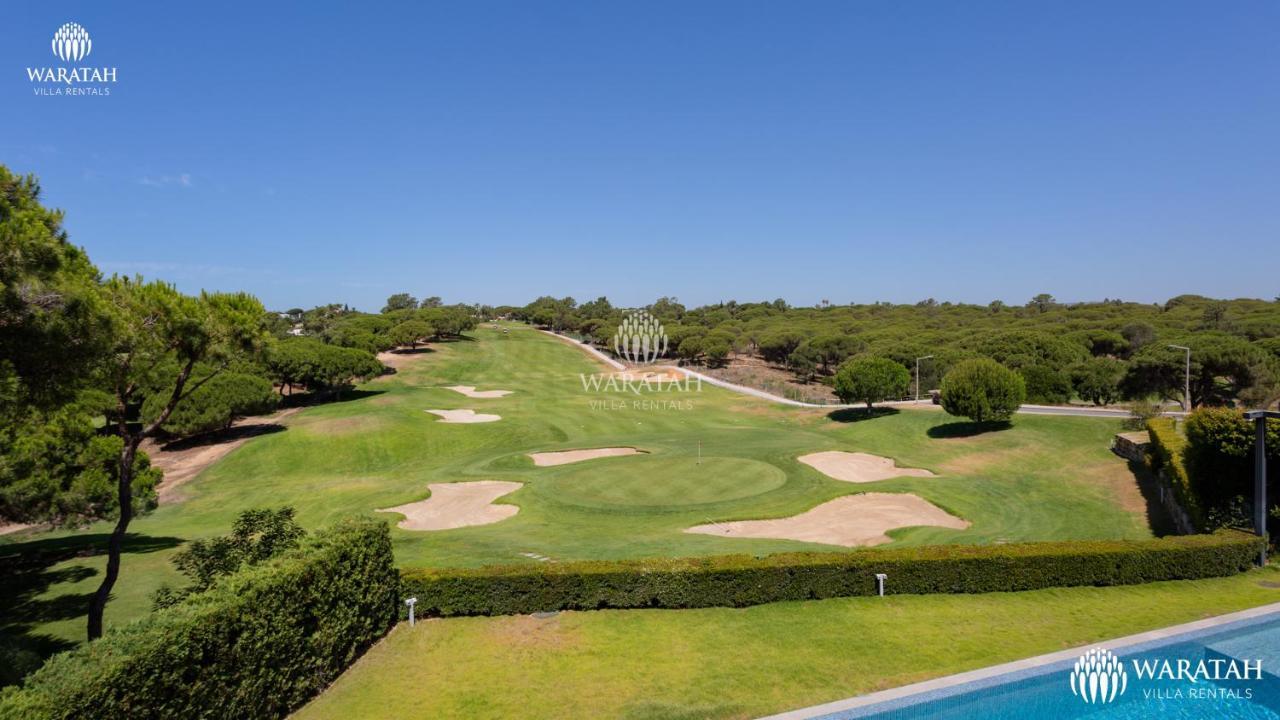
{"x":704,"y":456}
{"x":646,"y":361}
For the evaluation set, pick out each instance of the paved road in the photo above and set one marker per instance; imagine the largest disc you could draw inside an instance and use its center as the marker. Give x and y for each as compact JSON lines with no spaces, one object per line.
{"x":921,"y":404}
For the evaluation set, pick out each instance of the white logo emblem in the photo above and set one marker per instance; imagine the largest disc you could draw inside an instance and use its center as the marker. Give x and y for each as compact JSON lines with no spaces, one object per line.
{"x":640,"y":338}
{"x":1098,"y":677}
{"x":71,"y":43}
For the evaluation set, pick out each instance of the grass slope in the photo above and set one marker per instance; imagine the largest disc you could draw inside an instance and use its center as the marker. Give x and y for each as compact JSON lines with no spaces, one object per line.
{"x":1047,"y":478}
{"x":741,"y":663}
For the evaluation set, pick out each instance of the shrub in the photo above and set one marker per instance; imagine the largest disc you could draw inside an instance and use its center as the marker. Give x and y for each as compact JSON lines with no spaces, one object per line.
{"x":1141,"y":412}
{"x":1167,"y":445}
{"x":1045,"y":385}
{"x":871,"y":380}
{"x":258,"y":644}
{"x":257,"y":535}
{"x":1219,"y":458}
{"x":983,"y":391}
{"x":740,"y":580}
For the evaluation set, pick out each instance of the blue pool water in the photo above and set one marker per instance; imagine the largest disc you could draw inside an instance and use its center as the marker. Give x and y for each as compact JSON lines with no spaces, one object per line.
{"x":1045,"y":692}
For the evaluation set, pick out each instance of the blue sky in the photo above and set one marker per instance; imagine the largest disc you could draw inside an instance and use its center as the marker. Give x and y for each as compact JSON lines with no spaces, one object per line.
{"x":493,"y":151}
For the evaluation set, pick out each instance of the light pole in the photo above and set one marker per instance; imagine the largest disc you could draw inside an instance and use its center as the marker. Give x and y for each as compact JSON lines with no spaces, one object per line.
{"x":924,"y":357}
{"x":1260,"y":474}
{"x":1186,"y":384}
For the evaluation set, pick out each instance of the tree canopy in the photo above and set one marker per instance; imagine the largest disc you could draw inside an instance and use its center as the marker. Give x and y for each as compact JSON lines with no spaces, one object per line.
{"x":1237,"y":342}
{"x":871,"y":380}
{"x":983,"y":391}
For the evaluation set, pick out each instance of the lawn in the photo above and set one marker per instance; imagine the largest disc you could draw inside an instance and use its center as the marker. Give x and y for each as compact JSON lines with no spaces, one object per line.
{"x":710,"y":456}
{"x":741,"y":663}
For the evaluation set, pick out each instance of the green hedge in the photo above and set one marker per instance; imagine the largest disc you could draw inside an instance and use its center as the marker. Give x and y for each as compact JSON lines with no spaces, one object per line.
{"x":257,"y":645}
{"x":739,"y":580}
{"x":1167,"y":448}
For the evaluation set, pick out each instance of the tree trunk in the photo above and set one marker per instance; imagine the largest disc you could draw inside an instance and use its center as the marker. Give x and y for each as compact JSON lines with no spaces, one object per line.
{"x":124,"y":490}
{"x":115,"y":545}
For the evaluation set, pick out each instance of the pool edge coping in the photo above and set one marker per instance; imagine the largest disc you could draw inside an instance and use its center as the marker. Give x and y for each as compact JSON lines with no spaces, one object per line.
{"x":970,"y":676}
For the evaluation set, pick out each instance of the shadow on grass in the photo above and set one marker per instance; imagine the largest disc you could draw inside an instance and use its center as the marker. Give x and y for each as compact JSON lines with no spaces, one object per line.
{"x":1158,"y":518}
{"x":852,"y":415}
{"x":29,"y":572}
{"x":966,"y":429}
{"x":223,"y":436}
{"x":327,"y":397}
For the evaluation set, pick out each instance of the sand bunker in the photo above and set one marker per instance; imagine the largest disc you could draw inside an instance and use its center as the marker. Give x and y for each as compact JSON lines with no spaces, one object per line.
{"x":858,"y":467}
{"x":464,"y":416}
{"x":471,"y":392}
{"x":455,"y":505}
{"x":850,"y":521}
{"x":564,"y":457}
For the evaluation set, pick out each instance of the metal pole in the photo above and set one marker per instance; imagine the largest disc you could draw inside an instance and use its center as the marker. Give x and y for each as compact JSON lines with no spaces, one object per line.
{"x":1186,"y":382}
{"x":1260,"y":483}
{"x":922,"y":357}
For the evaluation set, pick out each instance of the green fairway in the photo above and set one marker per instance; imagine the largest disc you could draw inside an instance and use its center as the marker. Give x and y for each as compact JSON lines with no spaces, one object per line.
{"x":742,"y":663}
{"x":1047,"y":478}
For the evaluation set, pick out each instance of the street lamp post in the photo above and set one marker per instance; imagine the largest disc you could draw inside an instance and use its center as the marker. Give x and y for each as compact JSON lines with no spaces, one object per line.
{"x":1186,"y":383}
{"x":924,"y":357}
{"x":1259,"y":417}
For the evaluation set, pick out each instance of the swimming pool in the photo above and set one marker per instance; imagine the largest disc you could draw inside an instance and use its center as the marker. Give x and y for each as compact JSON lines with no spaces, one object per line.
{"x":1232,"y":672}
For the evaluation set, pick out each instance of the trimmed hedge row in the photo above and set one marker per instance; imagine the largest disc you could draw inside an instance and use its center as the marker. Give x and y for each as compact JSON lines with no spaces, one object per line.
{"x":259,"y":644}
{"x":1167,"y":446}
{"x":739,"y":580}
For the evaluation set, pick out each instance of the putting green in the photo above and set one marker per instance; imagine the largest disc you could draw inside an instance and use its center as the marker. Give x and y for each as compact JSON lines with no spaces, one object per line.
{"x":658,"y":484}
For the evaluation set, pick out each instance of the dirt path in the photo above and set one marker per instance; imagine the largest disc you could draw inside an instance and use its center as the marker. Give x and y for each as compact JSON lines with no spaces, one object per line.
{"x":184,"y":459}
{"x":397,"y":359}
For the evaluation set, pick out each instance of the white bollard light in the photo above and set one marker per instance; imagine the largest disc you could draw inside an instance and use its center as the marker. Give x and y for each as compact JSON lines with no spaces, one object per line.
{"x":413,"y":601}
{"x":880,"y":578}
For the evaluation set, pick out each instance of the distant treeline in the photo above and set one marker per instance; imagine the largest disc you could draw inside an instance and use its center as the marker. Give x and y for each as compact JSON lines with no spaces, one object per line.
{"x":1097,"y":351}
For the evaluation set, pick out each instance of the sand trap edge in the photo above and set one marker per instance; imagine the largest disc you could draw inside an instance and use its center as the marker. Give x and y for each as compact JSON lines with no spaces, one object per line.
{"x":553,"y":458}
{"x":453,"y":505}
{"x":859,"y":520}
